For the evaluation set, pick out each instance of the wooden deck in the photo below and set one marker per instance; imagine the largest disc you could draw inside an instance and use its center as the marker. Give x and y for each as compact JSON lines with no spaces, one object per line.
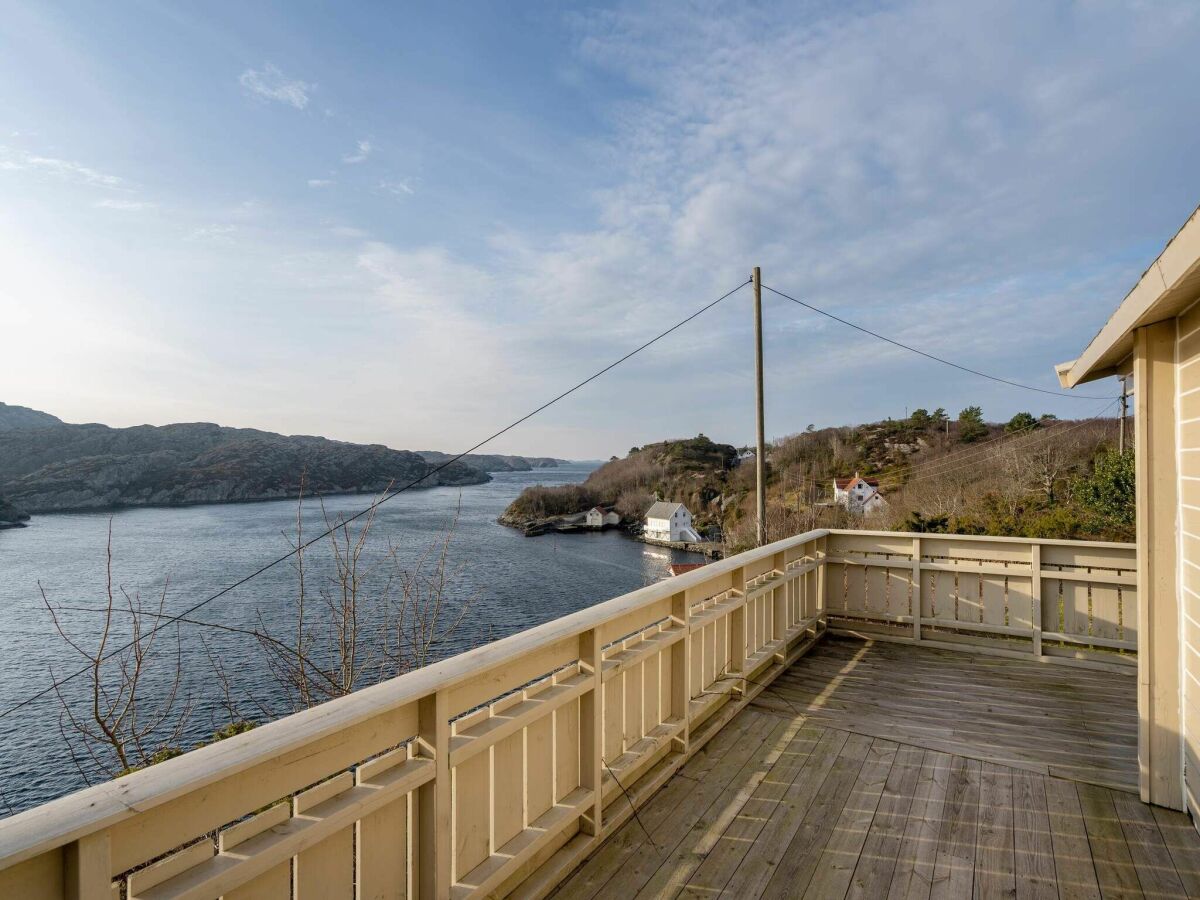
{"x":883,"y":770}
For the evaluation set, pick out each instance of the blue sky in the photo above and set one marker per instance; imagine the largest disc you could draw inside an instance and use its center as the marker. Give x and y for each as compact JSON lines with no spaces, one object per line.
{"x":411,"y":224}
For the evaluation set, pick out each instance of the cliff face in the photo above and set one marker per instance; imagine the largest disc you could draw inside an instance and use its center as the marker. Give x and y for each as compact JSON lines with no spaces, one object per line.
{"x":72,"y":467}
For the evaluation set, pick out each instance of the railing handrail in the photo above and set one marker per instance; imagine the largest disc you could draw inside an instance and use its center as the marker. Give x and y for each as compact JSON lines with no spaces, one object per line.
{"x":65,"y":819}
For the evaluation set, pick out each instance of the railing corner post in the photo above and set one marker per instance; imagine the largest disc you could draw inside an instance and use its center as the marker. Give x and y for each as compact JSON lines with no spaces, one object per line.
{"x":1035,"y":575}
{"x":916,"y":588}
{"x":819,"y":553}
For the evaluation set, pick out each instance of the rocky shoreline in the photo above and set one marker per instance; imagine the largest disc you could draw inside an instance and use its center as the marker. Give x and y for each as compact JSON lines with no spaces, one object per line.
{"x":569,"y":523}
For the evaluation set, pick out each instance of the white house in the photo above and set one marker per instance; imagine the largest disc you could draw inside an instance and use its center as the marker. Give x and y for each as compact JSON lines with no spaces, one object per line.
{"x":669,"y":522}
{"x":598,"y":518}
{"x":858,"y":494}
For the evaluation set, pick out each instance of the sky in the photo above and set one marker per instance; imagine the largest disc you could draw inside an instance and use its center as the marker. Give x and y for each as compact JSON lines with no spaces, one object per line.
{"x":410,"y":224}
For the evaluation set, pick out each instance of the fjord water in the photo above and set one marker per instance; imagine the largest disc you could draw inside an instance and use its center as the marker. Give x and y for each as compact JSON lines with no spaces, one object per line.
{"x":511,"y":582}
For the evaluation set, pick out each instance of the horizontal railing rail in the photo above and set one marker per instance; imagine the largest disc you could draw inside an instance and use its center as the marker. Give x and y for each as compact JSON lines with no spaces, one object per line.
{"x":500,"y":769}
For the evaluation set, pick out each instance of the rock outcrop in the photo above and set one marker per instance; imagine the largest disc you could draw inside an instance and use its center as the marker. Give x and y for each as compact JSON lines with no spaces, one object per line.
{"x":11,"y":516}
{"x":55,"y":467}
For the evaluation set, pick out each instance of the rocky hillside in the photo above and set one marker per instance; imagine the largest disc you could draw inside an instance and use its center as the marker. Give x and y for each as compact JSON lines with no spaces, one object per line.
{"x":54,"y":467}
{"x":13,"y":418}
{"x":695,"y":471}
{"x":495,"y":462}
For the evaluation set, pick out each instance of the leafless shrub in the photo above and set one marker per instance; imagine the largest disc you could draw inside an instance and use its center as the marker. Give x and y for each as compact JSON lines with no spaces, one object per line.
{"x":369,"y":617}
{"x":122,"y":725}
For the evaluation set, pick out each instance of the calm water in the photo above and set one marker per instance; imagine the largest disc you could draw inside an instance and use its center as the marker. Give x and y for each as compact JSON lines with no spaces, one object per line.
{"x":512,"y":582}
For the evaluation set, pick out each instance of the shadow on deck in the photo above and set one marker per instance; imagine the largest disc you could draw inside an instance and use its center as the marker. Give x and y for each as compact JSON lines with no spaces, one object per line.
{"x":883,"y":770}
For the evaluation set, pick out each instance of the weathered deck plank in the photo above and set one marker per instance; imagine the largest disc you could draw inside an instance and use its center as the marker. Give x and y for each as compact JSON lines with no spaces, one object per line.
{"x":872,"y":770}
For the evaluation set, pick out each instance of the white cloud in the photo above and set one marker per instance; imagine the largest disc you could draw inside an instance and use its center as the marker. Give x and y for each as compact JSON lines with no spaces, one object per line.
{"x":271,"y":84}
{"x":126,"y":205}
{"x":320,"y":182}
{"x":395,"y":188}
{"x":68,"y":170}
{"x":359,"y":155}
{"x":221,"y":233}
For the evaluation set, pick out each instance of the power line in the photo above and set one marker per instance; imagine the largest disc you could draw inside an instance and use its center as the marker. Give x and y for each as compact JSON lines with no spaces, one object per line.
{"x":166,"y":620}
{"x":903,"y":346}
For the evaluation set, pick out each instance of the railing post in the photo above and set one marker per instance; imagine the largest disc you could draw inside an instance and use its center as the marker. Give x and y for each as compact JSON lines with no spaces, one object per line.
{"x":88,"y":868}
{"x":737,"y":628}
{"x":822,"y":602}
{"x":681,"y":668}
{"x":591,"y":730}
{"x":779,"y":599}
{"x":1035,"y":574}
{"x":916,"y":588}
{"x":433,"y":858}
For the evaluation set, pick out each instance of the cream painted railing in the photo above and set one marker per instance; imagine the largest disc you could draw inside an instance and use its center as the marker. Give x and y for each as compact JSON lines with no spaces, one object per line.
{"x":500,"y":769}
{"x":1071,"y":601}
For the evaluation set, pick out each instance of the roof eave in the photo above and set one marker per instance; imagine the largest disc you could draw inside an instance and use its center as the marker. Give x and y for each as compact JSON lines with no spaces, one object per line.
{"x":1169,"y":286}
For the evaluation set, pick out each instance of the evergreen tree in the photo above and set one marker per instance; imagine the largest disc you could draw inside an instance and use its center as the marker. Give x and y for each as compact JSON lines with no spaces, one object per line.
{"x":1022,"y":421}
{"x":971,"y":426}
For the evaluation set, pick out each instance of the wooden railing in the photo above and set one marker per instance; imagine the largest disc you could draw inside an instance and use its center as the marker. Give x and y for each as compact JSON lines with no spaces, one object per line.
{"x":1070,"y":601}
{"x":499,"y":770}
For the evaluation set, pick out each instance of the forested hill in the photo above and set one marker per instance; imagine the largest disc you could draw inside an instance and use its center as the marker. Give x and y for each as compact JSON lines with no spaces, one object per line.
{"x":1035,"y":476}
{"x":46,"y":466}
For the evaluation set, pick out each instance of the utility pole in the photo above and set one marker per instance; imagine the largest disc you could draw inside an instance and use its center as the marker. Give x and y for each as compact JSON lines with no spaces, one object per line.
{"x":760,"y":454}
{"x":1124,"y":409}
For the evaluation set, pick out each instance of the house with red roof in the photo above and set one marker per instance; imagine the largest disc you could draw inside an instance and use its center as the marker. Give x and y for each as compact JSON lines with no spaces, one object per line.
{"x":859,"y":495}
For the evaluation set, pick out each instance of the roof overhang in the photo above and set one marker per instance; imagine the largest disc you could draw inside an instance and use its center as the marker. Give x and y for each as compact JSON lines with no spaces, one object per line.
{"x":1167,"y":288}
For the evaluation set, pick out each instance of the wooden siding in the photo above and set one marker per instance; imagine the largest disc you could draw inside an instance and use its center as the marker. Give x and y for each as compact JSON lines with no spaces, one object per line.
{"x":1188,"y":411}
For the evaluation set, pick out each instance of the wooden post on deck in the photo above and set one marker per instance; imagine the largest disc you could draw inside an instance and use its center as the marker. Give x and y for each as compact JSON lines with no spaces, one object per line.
{"x":1160,"y":755}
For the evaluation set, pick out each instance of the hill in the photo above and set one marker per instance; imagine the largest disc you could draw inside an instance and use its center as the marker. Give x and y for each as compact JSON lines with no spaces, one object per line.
{"x":495,"y":462}
{"x":693,"y":470}
{"x":13,"y":418}
{"x":1033,"y":477}
{"x":55,"y":467}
